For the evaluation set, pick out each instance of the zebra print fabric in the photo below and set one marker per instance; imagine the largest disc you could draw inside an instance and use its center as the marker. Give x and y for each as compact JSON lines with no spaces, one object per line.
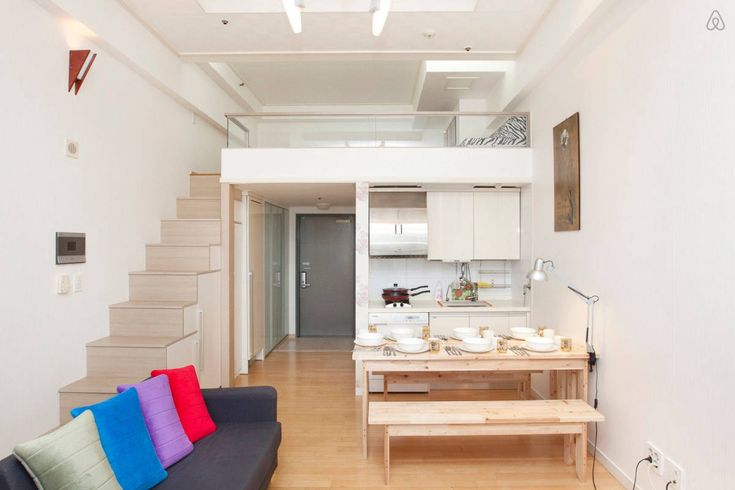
{"x":511,"y":133}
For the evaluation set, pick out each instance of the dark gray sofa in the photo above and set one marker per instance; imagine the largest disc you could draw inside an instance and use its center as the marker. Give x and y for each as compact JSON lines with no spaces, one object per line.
{"x":241,"y":454}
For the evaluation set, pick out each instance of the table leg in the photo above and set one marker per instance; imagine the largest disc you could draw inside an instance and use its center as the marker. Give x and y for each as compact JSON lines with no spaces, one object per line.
{"x":365,"y":395}
{"x":581,"y":454}
{"x":386,"y":453}
{"x":553,"y":385}
{"x":570,"y":388}
{"x":583,"y":377}
{"x":385,"y":387}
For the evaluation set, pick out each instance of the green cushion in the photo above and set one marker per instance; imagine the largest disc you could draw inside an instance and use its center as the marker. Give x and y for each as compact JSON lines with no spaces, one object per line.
{"x":69,"y":457}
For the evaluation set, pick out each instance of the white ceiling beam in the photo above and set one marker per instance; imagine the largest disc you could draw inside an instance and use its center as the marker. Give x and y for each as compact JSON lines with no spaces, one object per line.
{"x":564,"y":25}
{"x":235,"y":57}
{"x":231,"y":83}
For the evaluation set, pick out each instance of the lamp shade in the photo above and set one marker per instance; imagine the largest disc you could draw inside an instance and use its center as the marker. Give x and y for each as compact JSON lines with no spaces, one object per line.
{"x":538,"y":273}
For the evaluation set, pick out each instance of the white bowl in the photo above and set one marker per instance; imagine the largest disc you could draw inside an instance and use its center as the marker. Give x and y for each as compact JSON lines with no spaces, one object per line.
{"x":464,"y":332}
{"x":402,"y":333}
{"x":478,"y":344}
{"x":370,"y":338}
{"x":536,"y":341}
{"x":411,"y":344}
{"x":522,"y":332}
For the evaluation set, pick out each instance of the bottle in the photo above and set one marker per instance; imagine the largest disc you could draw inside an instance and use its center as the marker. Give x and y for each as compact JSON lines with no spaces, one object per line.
{"x":439,"y":292}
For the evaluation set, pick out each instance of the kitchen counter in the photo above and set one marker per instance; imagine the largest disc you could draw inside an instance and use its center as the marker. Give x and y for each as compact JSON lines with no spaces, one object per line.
{"x":423,"y":306}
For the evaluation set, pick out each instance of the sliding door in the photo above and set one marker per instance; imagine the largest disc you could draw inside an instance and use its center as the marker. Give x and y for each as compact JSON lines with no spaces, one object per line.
{"x":275,"y":262}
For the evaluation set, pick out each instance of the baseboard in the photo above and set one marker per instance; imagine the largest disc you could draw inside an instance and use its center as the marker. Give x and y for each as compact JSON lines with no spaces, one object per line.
{"x":601,"y":457}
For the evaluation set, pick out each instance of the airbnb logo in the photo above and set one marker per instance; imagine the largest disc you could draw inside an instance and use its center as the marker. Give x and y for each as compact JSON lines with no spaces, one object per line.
{"x":715,"y":22}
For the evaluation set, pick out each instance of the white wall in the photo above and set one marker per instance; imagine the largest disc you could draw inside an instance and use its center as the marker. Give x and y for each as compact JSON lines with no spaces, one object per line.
{"x":377,"y":165}
{"x":137,"y":147}
{"x":654,"y":90}
{"x":415,"y":272}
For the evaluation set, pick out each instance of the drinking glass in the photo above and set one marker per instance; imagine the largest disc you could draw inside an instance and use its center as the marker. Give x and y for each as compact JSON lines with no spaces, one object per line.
{"x":435,"y":345}
{"x":425,"y":332}
{"x":566,"y":344}
{"x":373,"y":328}
{"x":502,"y":346}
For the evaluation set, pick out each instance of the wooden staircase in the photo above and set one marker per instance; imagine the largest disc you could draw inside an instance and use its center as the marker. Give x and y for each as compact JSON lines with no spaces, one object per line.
{"x":172,"y":316}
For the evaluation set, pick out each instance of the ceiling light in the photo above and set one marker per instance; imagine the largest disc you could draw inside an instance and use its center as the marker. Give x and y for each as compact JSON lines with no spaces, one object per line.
{"x":293,"y":10}
{"x":380,"y":9}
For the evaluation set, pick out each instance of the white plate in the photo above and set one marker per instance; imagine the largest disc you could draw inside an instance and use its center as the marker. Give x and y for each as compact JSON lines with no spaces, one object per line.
{"x":528,"y":346}
{"x":471,"y":351}
{"x":421,"y":351}
{"x":369,"y":345}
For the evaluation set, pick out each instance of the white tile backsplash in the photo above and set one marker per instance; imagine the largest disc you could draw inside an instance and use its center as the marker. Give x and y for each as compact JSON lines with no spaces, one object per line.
{"x":409,"y":273}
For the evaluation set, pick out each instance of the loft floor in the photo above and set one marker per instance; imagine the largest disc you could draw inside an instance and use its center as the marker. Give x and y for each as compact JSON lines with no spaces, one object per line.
{"x":322,"y":435}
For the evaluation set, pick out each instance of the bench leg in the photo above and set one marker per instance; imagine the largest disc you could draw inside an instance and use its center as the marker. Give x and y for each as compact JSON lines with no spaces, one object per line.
{"x":581,"y":456}
{"x":386,"y":454}
{"x":570,"y":393}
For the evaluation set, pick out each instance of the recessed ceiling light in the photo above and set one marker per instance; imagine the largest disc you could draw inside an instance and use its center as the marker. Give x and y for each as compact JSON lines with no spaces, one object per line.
{"x":429,"y":33}
{"x":460,"y":83}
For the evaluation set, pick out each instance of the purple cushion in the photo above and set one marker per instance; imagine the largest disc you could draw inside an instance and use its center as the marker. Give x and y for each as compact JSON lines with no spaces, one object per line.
{"x":162,"y":420}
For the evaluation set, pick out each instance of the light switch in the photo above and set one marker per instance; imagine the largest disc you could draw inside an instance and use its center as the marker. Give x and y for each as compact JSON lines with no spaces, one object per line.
{"x":78,"y":283}
{"x":63,"y":286}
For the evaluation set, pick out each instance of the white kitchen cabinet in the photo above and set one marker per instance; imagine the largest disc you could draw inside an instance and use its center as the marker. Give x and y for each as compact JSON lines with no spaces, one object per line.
{"x":500,"y":322}
{"x":445,"y":323}
{"x":497,"y":225}
{"x":480,"y":225}
{"x":451,"y":222}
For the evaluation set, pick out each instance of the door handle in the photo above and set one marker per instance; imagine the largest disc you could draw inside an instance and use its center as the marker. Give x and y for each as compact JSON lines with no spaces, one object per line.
{"x":304,"y":283}
{"x":395,"y":229}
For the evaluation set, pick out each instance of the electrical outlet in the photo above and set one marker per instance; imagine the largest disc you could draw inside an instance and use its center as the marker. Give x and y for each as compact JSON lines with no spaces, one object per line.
{"x":657,"y":459}
{"x":71,"y":148}
{"x":675,"y":474}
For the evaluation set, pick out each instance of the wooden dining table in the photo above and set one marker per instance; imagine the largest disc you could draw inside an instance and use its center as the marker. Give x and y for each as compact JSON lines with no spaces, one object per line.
{"x":568,"y":371}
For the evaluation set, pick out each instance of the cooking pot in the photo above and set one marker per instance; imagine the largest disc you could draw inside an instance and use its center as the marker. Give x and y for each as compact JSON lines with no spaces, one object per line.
{"x":400,"y":295}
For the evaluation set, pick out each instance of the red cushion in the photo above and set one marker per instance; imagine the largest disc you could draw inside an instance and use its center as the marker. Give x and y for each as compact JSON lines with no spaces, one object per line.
{"x":189,"y":402}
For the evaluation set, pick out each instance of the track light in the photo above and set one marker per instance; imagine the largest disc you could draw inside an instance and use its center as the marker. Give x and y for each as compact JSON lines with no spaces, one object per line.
{"x":293,"y":11}
{"x":380,"y":10}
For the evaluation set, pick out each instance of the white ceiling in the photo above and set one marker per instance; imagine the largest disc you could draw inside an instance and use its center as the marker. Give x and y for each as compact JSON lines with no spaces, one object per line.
{"x":494,"y":26}
{"x":336,"y":60}
{"x":329,"y":82}
{"x":291,"y":195}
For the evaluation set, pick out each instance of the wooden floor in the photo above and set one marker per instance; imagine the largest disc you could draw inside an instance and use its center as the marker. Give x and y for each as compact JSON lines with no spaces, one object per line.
{"x":315,"y":344}
{"x":322,"y":434}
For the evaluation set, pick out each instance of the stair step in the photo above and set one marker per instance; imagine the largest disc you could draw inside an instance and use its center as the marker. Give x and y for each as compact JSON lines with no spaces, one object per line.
{"x":137,"y":356}
{"x":187,"y":257}
{"x":198,"y":207}
{"x":191,"y":231}
{"x":204,"y":185}
{"x":163,"y":286}
{"x":151,"y":318}
{"x":88,"y":391}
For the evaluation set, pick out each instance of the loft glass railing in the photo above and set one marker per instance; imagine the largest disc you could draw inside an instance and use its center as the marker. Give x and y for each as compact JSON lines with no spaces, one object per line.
{"x":409,"y":130}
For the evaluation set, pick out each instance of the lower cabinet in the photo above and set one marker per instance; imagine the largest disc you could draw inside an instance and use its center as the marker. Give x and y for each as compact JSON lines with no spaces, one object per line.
{"x":500,"y":322}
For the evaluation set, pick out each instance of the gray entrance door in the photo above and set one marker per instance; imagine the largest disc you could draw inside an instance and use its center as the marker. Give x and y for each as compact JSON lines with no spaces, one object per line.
{"x":325,"y":264}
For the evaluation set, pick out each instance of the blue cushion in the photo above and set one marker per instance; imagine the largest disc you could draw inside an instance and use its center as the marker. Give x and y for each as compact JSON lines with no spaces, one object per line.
{"x":126,"y":441}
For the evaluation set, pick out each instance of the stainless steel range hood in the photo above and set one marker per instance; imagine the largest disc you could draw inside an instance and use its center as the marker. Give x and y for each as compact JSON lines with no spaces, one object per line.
{"x":398,"y":224}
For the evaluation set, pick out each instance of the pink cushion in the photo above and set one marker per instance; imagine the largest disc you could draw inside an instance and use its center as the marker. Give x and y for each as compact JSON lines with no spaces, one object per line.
{"x":162,"y":419}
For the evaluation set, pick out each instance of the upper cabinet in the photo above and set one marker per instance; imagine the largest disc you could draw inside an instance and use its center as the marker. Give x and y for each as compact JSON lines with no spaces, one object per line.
{"x":451,"y":224}
{"x":481,"y":225}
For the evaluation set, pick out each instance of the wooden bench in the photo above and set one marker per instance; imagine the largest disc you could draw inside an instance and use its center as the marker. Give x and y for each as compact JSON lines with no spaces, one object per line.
{"x":479,"y":418}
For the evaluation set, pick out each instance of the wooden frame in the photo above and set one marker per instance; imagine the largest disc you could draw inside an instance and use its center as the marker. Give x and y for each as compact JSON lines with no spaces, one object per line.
{"x":566,"y":175}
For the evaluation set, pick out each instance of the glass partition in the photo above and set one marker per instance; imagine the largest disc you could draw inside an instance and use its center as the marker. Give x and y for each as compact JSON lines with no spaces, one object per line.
{"x":410,"y":130}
